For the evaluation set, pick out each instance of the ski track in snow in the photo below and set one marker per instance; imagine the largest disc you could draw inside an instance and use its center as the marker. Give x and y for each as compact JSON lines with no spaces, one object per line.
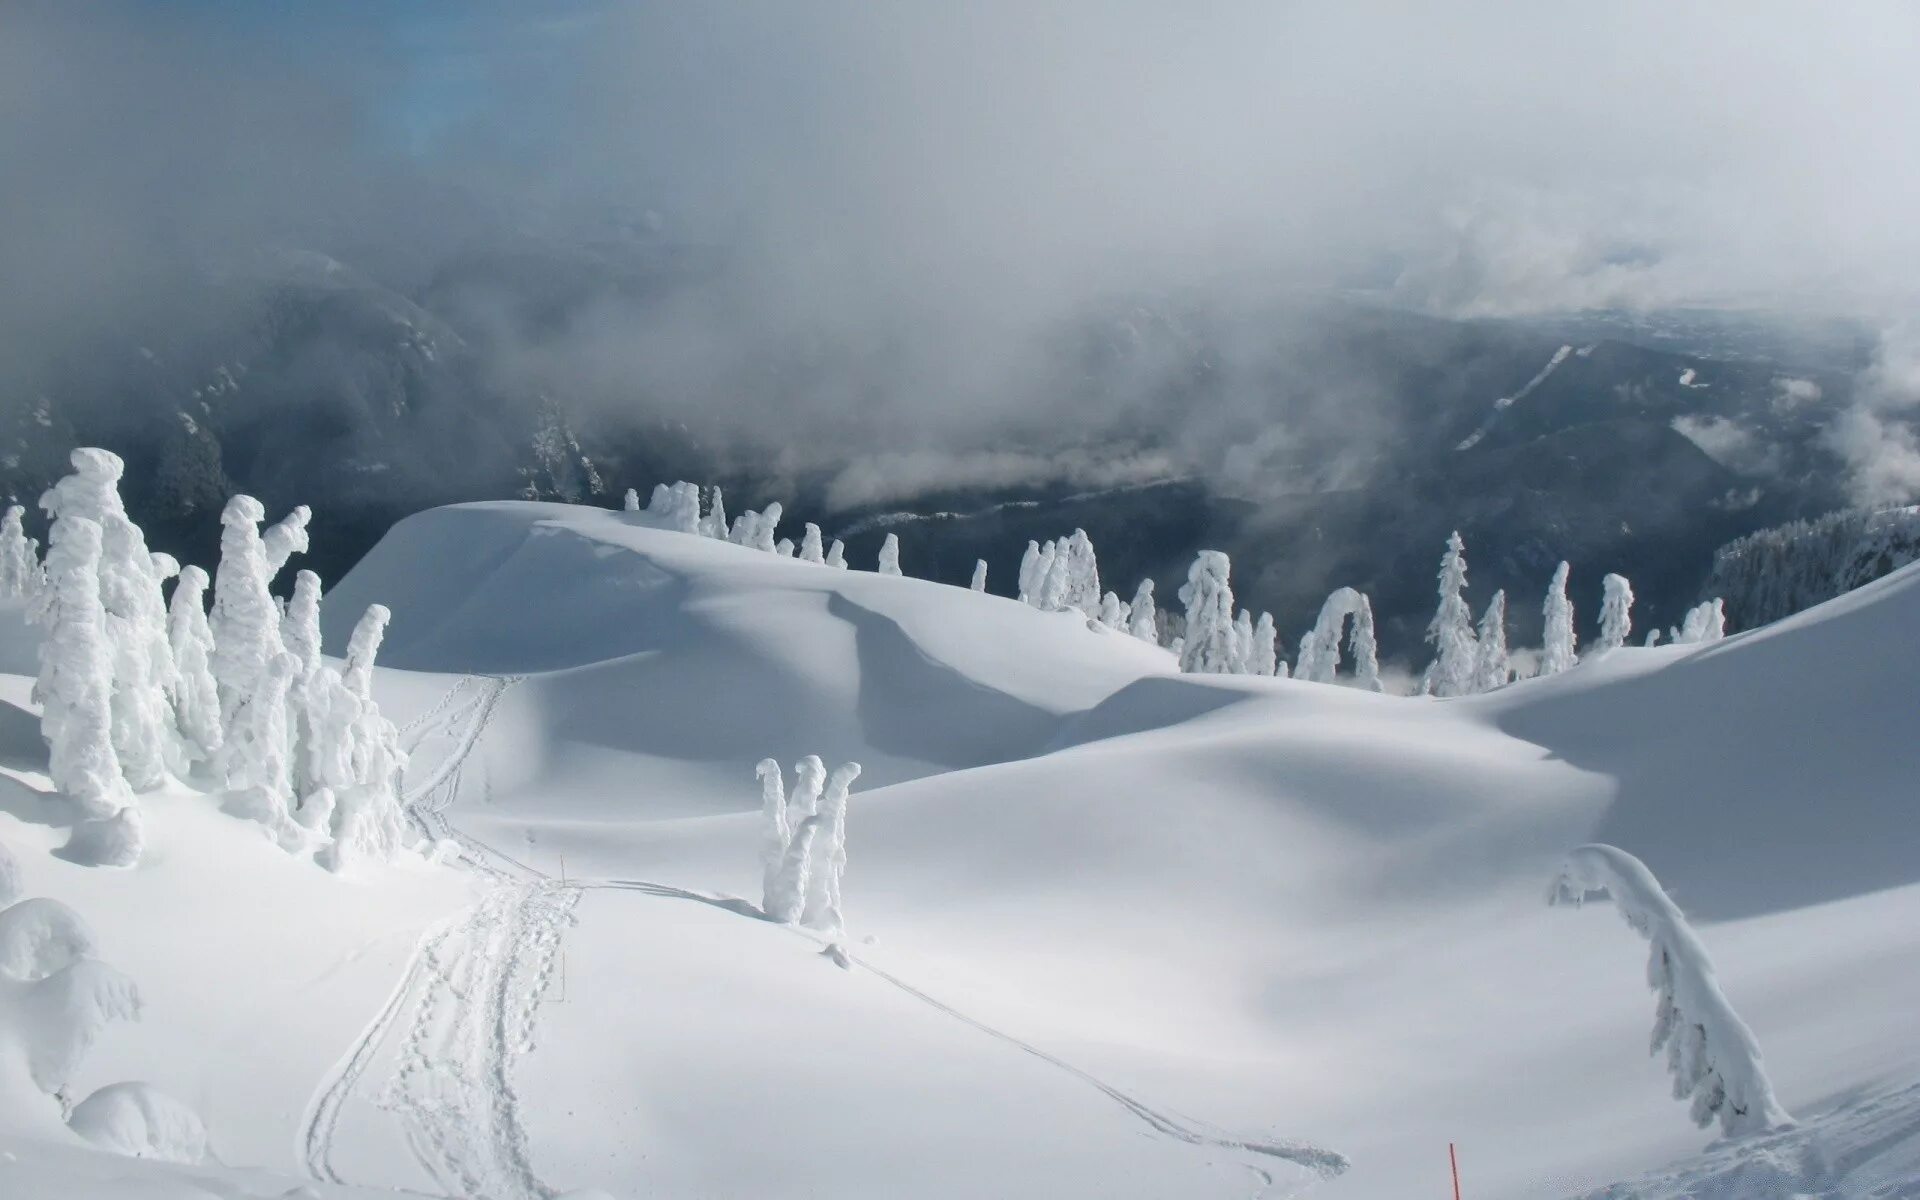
{"x":475,"y":983}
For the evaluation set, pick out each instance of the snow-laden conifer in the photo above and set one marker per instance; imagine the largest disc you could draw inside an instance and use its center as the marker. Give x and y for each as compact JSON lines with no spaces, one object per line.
{"x":1075,"y":572}
{"x":714,"y":524}
{"x":1712,"y":1055}
{"x":358,"y":757}
{"x":20,"y":575}
{"x":837,"y":555}
{"x":1208,"y":596}
{"x":765,"y":525}
{"x":1142,"y":614}
{"x":300,"y":634}
{"x":789,"y":895}
{"x":775,"y":831}
{"x":245,"y":620}
{"x":1451,"y":630}
{"x":1363,"y":646}
{"x":631,"y":502}
{"x":1113,"y":612}
{"x":784,"y":547}
{"x":1616,"y":613}
{"x":259,"y":755}
{"x":889,"y":563}
{"x":1704,"y":622}
{"x":1243,"y":643}
{"x":1029,"y":579}
{"x":810,"y":550}
{"x":1047,"y":588}
{"x":75,"y":685}
{"x":822,"y":909}
{"x":979,"y":581}
{"x":1491,"y":667}
{"x":195,"y":696}
{"x":1558,"y":654}
{"x":286,"y":538}
{"x":1346,"y":610}
{"x":678,"y":506}
{"x":1265,"y":656}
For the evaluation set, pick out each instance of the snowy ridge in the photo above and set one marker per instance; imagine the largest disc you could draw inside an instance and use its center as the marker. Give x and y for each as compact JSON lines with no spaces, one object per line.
{"x":1503,"y":403}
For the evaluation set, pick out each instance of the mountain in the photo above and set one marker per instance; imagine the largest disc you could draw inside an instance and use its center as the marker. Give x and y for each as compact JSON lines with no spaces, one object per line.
{"x":1321,"y":440}
{"x":1112,"y":930}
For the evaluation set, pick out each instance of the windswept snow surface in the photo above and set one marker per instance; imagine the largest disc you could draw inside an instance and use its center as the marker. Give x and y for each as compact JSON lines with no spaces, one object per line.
{"x":1115,"y":931}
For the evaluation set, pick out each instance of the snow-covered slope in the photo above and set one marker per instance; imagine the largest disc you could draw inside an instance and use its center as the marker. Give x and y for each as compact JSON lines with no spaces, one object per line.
{"x":1115,"y":931}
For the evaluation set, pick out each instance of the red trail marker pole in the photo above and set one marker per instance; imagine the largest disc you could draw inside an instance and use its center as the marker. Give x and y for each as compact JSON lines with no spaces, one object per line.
{"x":1453,"y":1160}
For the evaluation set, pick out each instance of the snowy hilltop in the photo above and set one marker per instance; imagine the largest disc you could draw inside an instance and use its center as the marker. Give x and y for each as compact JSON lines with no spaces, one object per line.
{"x":667,"y":852}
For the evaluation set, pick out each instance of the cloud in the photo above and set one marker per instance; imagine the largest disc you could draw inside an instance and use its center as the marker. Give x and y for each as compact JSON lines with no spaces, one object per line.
{"x":1730,"y":444}
{"x":1876,"y":435}
{"x":888,"y":478}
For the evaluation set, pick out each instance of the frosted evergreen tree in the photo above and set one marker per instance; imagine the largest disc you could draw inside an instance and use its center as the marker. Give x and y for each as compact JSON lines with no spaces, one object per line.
{"x":631,"y":503}
{"x":765,"y":525}
{"x":1319,"y":659}
{"x":1362,"y":644}
{"x":775,"y":831}
{"x":890,"y":555}
{"x":810,"y":545}
{"x":1208,"y":596}
{"x":789,"y":896}
{"x":1713,"y":1057}
{"x":1113,"y":614}
{"x":1265,"y":657}
{"x":1492,"y":668}
{"x":195,"y":697}
{"x":259,"y":755}
{"x":1243,"y":643}
{"x":1142,"y":614}
{"x":1616,"y":613}
{"x":1078,"y":571}
{"x":357,"y":754}
{"x":1558,"y":653}
{"x":1029,"y":573}
{"x":678,"y":506}
{"x":75,"y":685}
{"x":1704,"y":622}
{"x":837,"y":555}
{"x":784,"y":547}
{"x":979,"y":583}
{"x":714,"y":524}
{"x":285,"y":539}
{"x":19,"y":558}
{"x":1451,"y":630}
{"x":1044,"y":578}
{"x":245,"y":620}
{"x":661,"y":501}
{"x":822,"y":909}
{"x":300,"y":634}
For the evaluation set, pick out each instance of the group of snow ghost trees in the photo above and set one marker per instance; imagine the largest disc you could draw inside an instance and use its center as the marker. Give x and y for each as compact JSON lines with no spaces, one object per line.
{"x":803,"y":850}
{"x":137,"y":689}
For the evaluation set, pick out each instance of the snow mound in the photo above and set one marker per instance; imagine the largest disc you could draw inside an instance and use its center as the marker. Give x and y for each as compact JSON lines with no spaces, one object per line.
{"x":39,"y":937}
{"x":140,"y":1121}
{"x":113,"y":841}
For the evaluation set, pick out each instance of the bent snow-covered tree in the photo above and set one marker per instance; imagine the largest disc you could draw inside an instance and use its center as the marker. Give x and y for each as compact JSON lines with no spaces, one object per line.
{"x":889,"y":563}
{"x":1345,"y":609}
{"x":1616,"y":613}
{"x":196,"y":698}
{"x":821,"y":909}
{"x":1558,"y":654}
{"x":1712,"y":1055}
{"x":1208,"y":595}
{"x":245,"y":620}
{"x":357,"y":755}
{"x":1451,"y":630}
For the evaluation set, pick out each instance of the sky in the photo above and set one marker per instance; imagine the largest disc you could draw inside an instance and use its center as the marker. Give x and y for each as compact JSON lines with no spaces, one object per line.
{"x":972,"y":172}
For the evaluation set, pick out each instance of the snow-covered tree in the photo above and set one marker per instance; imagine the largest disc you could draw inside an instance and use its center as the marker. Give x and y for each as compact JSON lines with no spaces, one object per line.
{"x":1030,"y":573}
{"x":1142,"y":614}
{"x":631,"y":502}
{"x":245,"y":620}
{"x":789,"y":895}
{"x":775,"y":831}
{"x":1616,"y":613}
{"x":195,"y":696}
{"x":1208,"y":595}
{"x":1712,"y":1055}
{"x":714,"y":524}
{"x":837,"y":555}
{"x":1451,"y":630}
{"x":259,"y":756}
{"x":55,"y":998}
{"x":357,"y":756}
{"x":677,"y":506}
{"x":300,"y":633}
{"x":765,"y":525}
{"x":1491,"y":668}
{"x":286,"y":538}
{"x":979,"y":583}
{"x":75,"y":686}
{"x":784,"y":547}
{"x":1113,"y":613}
{"x":1243,"y":643}
{"x":1558,"y":653}
{"x":890,"y":555}
{"x":810,"y":550}
{"x":1704,"y":622}
{"x":1074,"y":576}
{"x":822,"y":909}
{"x":1345,"y":610}
{"x":20,"y":576}
{"x":1362,"y":645}
{"x":1265,"y":656}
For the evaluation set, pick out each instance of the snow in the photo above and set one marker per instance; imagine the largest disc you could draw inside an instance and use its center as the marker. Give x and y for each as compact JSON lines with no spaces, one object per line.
{"x":1114,"y":930}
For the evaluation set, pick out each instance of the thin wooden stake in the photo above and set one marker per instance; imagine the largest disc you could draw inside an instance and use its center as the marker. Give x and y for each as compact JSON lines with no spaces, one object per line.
{"x":1453,"y":1160}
